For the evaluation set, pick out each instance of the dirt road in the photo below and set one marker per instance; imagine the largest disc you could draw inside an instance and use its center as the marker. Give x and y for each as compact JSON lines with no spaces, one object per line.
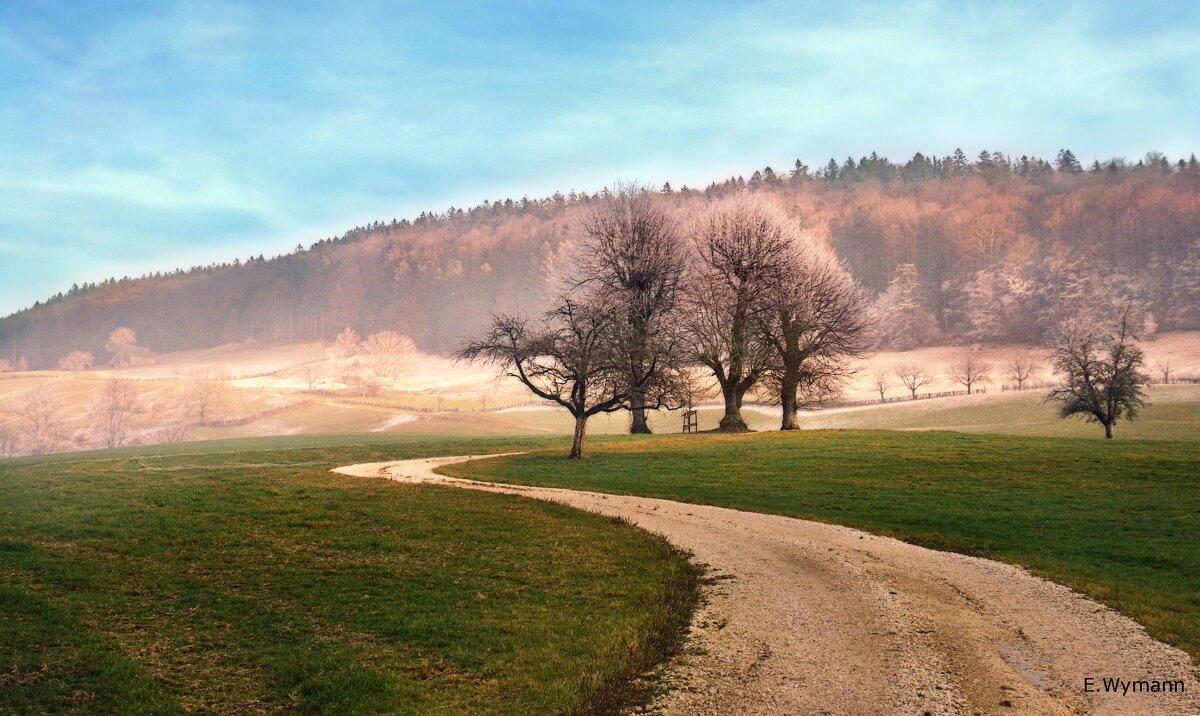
{"x":809,"y":618}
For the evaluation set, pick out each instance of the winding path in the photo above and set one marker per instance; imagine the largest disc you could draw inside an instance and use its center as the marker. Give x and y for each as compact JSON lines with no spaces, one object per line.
{"x":809,"y":618}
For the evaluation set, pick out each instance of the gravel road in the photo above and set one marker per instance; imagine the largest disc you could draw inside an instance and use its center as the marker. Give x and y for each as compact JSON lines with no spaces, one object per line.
{"x":808,"y":618}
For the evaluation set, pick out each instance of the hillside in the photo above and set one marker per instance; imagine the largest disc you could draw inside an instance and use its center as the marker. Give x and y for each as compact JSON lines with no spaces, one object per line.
{"x":998,"y":249}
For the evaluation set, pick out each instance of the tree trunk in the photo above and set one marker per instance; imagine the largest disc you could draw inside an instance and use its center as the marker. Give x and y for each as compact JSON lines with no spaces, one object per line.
{"x":1108,"y":431}
{"x":637,"y":415}
{"x":732,"y":421}
{"x":787,"y":397}
{"x":580,"y":432}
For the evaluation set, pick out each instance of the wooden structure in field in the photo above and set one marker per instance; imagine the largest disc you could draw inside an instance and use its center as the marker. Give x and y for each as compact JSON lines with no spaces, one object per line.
{"x":691,"y":423}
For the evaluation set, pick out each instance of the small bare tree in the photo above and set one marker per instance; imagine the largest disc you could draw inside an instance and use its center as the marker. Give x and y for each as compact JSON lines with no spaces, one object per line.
{"x":203,"y":393}
{"x":1021,"y":367}
{"x":571,"y":359}
{"x":968,"y":371}
{"x":1102,"y":365}
{"x":112,"y":411}
{"x":5,"y":366}
{"x":1163,"y":366}
{"x":914,"y":377}
{"x":741,"y":244}
{"x":121,"y":344}
{"x":879,"y":380}
{"x":312,"y":374}
{"x":76,"y":361}
{"x":40,"y":416}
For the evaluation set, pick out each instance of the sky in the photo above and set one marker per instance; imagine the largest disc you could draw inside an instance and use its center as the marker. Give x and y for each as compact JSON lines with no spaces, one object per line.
{"x":142,"y":136}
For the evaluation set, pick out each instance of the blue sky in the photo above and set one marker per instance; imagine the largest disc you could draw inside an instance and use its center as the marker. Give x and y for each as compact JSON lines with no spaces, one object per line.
{"x":137,"y":136}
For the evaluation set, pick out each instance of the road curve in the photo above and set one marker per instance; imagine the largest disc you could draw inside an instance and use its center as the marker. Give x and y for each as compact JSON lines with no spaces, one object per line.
{"x":810,"y":618}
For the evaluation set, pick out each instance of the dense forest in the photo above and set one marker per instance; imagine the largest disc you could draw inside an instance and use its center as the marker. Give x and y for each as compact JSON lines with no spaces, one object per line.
{"x":954,"y":250}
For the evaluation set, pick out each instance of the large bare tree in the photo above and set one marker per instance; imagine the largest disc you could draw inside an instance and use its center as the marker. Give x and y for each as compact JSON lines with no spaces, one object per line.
{"x":817,"y":323}
{"x":740,"y":244}
{"x":386,"y":353}
{"x":41,"y":421}
{"x":633,"y":254}
{"x":1102,"y":366}
{"x":571,"y":358}
{"x":112,"y":409}
{"x":122,"y":344}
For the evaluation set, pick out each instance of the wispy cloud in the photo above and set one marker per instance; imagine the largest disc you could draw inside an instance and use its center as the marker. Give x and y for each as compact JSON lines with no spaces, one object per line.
{"x":234,"y":127}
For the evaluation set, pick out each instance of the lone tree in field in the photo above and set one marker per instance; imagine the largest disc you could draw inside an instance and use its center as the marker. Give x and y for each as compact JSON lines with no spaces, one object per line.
{"x":879,"y":380}
{"x":203,"y":393}
{"x":112,"y":411}
{"x":386,"y":352}
{"x":817,"y":322}
{"x":122,"y":344}
{"x":969,"y":371}
{"x":1021,"y":367}
{"x":76,"y":361}
{"x":741,"y":245}
{"x":914,"y":377}
{"x":345,"y":345}
{"x":1163,"y":366}
{"x":572,"y":359}
{"x":633,"y":255}
{"x":1102,"y":366}
{"x":42,"y":426}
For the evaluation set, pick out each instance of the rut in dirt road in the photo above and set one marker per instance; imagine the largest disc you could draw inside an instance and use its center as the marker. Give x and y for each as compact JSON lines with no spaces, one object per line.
{"x":809,"y":618}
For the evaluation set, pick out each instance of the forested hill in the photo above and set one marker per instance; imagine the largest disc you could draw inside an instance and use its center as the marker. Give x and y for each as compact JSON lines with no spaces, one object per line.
{"x":991,"y":249}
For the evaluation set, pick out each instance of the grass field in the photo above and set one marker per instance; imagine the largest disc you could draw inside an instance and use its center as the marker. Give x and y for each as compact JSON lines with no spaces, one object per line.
{"x":1119,"y":520}
{"x":243,"y":577}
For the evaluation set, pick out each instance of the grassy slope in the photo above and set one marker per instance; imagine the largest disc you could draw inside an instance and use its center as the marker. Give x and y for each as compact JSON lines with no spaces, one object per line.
{"x":238,"y":581}
{"x":1174,"y":414}
{"x":1117,"y":520}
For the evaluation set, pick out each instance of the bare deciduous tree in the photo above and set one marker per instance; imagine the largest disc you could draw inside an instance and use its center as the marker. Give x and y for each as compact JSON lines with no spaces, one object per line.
{"x":817,"y":323}
{"x":879,"y":380}
{"x":76,"y":361}
{"x":8,"y":441}
{"x":633,"y":254}
{"x":1102,"y":366}
{"x":386,"y":353}
{"x":1163,"y":367}
{"x":121,"y":344}
{"x":570,"y":359}
{"x":345,"y":345}
{"x":5,"y":366}
{"x":914,"y":377}
{"x":1021,"y":367}
{"x":968,"y":371}
{"x":39,"y":413}
{"x":203,"y":393}
{"x":740,"y":245}
{"x":312,"y":373}
{"x":112,"y":409}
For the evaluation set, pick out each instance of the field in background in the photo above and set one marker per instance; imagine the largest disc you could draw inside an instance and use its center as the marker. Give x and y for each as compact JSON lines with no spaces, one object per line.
{"x":266,"y":392}
{"x":243,"y":577}
{"x":1119,"y":521}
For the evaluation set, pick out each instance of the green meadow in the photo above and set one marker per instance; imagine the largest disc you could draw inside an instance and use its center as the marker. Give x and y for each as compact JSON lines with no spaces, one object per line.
{"x":232,"y":579}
